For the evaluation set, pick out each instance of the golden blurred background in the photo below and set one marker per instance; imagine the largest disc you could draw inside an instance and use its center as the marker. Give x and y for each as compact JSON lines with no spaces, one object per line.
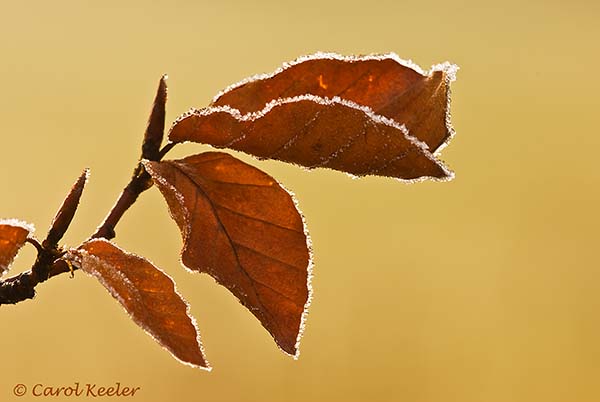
{"x":483,"y":289}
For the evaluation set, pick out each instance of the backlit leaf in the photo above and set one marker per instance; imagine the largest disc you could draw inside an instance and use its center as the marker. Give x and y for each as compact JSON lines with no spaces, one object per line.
{"x":147,"y":294}
{"x":315,"y":132}
{"x":13,"y":234}
{"x":241,"y":227}
{"x":390,"y":86}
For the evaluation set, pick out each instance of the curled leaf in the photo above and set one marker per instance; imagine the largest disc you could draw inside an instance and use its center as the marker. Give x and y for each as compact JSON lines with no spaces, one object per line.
{"x":147,"y":294}
{"x":388,"y":85}
{"x":315,"y":132}
{"x":241,"y":227}
{"x":66,"y":212}
{"x":13,"y":234}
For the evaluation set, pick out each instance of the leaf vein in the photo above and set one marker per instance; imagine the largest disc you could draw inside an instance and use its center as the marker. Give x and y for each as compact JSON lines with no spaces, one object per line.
{"x":269,"y":257}
{"x":256,"y":218}
{"x":232,"y":245}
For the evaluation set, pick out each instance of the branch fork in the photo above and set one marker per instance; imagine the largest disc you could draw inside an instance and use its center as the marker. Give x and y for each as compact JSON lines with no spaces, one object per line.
{"x":49,"y":261}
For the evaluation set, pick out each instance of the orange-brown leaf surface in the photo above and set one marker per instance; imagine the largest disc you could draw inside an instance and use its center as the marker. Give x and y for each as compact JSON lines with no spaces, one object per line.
{"x":315,"y":132}
{"x":13,"y":234}
{"x":147,"y":294}
{"x":241,"y":227}
{"x":390,"y":86}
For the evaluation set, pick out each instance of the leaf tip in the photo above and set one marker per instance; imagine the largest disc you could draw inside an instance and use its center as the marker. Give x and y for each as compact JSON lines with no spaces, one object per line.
{"x":449,"y":69}
{"x":449,"y":174}
{"x":202,"y":364}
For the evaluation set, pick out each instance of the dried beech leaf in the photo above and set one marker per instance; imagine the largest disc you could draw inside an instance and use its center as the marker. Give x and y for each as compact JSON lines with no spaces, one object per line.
{"x":315,"y":132}
{"x":390,"y":86}
{"x":66,"y":212}
{"x":241,"y":227}
{"x":13,"y":234}
{"x":147,"y":294}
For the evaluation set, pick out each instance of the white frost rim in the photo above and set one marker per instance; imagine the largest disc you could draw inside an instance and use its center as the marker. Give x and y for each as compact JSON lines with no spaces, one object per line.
{"x":379,"y":119}
{"x":449,"y":70}
{"x":447,"y":67}
{"x":309,"y":274}
{"x":78,"y":253}
{"x":185,"y":236}
{"x":16,"y":222}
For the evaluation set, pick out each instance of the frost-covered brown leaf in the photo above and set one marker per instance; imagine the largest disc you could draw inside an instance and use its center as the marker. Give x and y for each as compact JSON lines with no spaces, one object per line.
{"x":316,"y":132}
{"x":147,"y":294}
{"x":241,"y":227}
{"x":388,"y":85}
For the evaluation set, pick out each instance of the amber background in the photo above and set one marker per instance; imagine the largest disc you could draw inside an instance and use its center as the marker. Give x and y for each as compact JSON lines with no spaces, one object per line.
{"x":484,"y":289}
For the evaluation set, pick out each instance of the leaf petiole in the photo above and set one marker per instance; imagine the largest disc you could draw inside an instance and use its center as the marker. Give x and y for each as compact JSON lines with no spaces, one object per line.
{"x":35,"y":243}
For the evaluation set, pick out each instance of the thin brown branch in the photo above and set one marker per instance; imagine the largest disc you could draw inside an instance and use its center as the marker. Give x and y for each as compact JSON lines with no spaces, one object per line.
{"x":17,"y":289}
{"x":140,"y":182}
{"x":21,"y":287}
